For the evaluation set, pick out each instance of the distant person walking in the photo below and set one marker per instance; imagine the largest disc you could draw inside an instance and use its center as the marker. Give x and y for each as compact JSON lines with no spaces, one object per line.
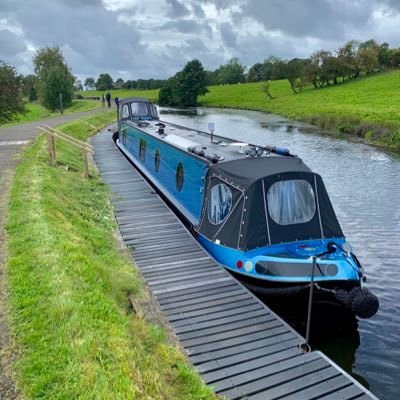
{"x":108,"y":97}
{"x":103,"y":100}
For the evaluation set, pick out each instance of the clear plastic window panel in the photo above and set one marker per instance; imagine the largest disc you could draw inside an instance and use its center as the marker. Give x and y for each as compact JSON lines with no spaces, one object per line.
{"x":220,"y":203}
{"x":125,"y":112}
{"x":139,"y":109}
{"x":153,"y":111}
{"x":291,"y":202}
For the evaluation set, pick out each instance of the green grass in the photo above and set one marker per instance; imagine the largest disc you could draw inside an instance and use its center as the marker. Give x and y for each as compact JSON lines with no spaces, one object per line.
{"x":69,"y":285}
{"x":37,"y":112}
{"x":367,"y":107}
{"x":151,"y":95}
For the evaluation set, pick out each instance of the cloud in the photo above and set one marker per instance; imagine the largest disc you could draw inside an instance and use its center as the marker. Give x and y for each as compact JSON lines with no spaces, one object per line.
{"x":10,"y":44}
{"x":177,"y":9}
{"x":229,"y":37}
{"x":154,"y":39}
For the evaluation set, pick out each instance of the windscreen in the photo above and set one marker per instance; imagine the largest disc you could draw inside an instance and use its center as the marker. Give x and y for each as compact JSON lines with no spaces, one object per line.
{"x":139,"y":109}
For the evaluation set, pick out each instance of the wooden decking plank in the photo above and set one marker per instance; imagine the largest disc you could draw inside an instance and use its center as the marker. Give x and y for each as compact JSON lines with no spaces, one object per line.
{"x":331,"y":386}
{"x":273,"y":375}
{"x":242,"y":354}
{"x":349,"y":392}
{"x":235,"y":341}
{"x":229,"y":327}
{"x":294,"y":385}
{"x":215,"y":316}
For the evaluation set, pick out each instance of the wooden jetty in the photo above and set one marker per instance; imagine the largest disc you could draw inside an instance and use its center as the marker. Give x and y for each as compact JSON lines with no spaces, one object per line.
{"x":238,"y":345}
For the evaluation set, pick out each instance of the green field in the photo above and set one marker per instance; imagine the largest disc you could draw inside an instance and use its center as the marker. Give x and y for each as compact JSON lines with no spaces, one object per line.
{"x":37,"y":112}
{"x":69,"y":285}
{"x":152,"y":95}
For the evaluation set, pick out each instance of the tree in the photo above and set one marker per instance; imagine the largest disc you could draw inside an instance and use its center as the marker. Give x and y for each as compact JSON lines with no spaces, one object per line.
{"x":167,"y":95}
{"x":230,"y":73}
{"x":90,"y":83}
{"x":256,"y":73}
{"x":50,"y":65}
{"x":192,"y":83}
{"x":78,"y":85}
{"x":57,"y":82}
{"x":29,"y":84}
{"x":295,"y":73}
{"x":119,"y":83}
{"x":104,"y":82}
{"x":266,"y":88}
{"x":184,"y":88}
{"x":368,"y":57}
{"x":11,"y":102}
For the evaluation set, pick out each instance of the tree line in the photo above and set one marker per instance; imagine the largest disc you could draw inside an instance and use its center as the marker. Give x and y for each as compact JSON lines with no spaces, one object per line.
{"x":53,"y":83}
{"x":105,"y":82}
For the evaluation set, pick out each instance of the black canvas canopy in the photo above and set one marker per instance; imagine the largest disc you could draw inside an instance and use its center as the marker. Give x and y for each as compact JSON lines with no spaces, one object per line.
{"x":260,"y":201}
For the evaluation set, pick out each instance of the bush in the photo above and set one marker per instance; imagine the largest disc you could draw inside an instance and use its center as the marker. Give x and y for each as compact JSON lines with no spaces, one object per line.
{"x":79,"y":97}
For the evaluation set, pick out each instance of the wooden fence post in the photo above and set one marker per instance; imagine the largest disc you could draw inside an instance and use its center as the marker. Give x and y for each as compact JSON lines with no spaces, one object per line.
{"x":85,"y":164}
{"x":53,"y":150}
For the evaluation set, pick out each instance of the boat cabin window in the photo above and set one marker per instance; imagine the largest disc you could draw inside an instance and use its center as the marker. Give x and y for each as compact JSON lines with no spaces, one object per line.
{"x":157,"y":161}
{"x":153,"y":111}
{"x":142,"y":149}
{"x":220,"y":203}
{"x":179,"y":177}
{"x":125,"y":112}
{"x":291,"y":202}
{"x":139,"y":109}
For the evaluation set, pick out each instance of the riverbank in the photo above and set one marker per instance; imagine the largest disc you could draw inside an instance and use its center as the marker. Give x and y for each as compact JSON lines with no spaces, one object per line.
{"x":69,"y":284}
{"x":365,"y":108}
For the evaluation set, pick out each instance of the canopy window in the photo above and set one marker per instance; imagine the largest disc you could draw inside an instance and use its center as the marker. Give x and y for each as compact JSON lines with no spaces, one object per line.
{"x":291,"y":202}
{"x":139,"y":109}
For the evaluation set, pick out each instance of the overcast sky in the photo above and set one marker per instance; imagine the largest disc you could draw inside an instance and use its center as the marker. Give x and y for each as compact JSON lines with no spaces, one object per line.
{"x":145,"y":39}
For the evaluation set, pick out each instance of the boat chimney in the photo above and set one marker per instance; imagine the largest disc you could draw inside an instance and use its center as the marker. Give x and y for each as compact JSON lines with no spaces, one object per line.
{"x":211,"y":129}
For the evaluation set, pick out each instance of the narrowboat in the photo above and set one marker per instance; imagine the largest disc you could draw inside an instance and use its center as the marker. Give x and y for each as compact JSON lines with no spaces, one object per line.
{"x":258,"y":210}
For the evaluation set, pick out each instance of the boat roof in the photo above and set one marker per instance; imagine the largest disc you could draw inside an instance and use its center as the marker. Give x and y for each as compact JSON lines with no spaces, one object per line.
{"x":220,"y":150}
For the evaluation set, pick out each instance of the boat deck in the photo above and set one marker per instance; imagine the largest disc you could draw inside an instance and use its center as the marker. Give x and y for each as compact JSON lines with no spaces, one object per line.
{"x":182,"y":137}
{"x":239,"y":346}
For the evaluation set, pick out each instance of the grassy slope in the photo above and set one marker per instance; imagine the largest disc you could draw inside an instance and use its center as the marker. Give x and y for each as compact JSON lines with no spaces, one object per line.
{"x":37,"y":112}
{"x":69,"y":286}
{"x":368,"y":106}
{"x":374,"y":99}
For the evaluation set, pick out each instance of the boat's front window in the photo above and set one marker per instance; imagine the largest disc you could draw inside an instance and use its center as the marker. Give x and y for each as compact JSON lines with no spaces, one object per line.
{"x":291,"y":202}
{"x":139,"y":109}
{"x":125,"y":111}
{"x":220,"y":203}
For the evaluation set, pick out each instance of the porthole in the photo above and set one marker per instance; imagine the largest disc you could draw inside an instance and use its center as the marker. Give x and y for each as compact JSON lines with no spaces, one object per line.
{"x":142,"y":149}
{"x":220,"y":203}
{"x":157,"y":161}
{"x":179,"y":177}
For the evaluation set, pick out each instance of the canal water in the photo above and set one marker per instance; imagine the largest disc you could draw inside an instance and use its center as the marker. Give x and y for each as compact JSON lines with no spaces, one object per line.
{"x":364,"y":187}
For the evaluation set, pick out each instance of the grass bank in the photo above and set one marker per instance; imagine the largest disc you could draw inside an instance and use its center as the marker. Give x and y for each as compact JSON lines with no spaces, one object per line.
{"x":37,"y":112}
{"x":69,"y":286}
{"x":152,"y":95}
{"x":367,"y":107}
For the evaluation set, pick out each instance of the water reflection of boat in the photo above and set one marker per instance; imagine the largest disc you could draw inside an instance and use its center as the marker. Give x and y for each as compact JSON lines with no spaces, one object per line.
{"x":258,"y":210}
